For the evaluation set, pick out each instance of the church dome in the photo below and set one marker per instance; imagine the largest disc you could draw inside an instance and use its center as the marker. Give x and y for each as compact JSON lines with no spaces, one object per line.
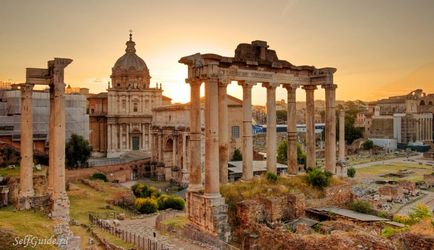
{"x":130,"y":59}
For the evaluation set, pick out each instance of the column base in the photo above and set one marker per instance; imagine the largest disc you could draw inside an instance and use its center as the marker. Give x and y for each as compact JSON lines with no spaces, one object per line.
{"x":184,"y":179}
{"x":208,"y":214}
{"x":195,"y":187}
{"x":24,"y":201}
{"x":60,"y":208}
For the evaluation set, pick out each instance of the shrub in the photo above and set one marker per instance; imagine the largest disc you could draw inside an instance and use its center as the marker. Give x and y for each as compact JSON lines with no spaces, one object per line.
{"x":367,"y":145}
{"x":362,"y":206}
{"x":144,"y":191}
{"x":401,"y":219}
{"x":389,"y":231}
{"x":271,"y":177}
{"x":170,"y":201}
{"x":351,"y":172}
{"x":421,"y":211}
{"x":318,"y":178}
{"x":146,"y":205}
{"x":237,"y":156}
{"x":99,"y":176}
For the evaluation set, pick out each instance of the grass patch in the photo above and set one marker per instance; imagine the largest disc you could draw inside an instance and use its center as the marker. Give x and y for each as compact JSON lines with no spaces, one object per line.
{"x":113,"y":239}
{"x":84,"y":199}
{"x":177,"y":221}
{"x":16,"y":171}
{"x":23,"y":223}
{"x":377,"y":170}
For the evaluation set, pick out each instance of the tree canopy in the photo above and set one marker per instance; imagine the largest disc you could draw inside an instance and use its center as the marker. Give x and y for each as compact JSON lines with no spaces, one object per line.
{"x":77,"y":151}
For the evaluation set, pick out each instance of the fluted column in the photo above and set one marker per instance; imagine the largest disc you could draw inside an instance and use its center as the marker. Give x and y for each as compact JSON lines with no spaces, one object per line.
{"x":223,"y":131}
{"x":184,"y":153}
{"x":330,"y":128}
{"x":60,"y":208}
{"x":342,"y":135}
{"x":247,"y":130}
{"x":292,"y":129}
{"x":26,"y":144}
{"x":271,"y":126}
{"x":51,"y":144}
{"x":195,"y":172}
{"x":310,"y":126}
{"x":211,"y":139}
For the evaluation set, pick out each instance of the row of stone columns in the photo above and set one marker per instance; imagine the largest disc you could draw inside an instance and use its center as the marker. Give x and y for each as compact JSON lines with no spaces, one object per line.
{"x":56,"y":168}
{"x":424,"y":129}
{"x":216,"y":131}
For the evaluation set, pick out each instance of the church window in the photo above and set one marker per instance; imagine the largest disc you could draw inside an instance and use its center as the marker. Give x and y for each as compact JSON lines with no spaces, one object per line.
{"x":235,"y":132}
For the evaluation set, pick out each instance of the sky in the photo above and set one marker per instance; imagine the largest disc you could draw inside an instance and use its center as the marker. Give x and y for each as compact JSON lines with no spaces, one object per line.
{"x":379,"y":47}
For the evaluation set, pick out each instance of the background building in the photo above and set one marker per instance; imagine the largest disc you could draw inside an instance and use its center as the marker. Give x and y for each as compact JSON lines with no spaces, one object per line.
{"x":77,"y":119}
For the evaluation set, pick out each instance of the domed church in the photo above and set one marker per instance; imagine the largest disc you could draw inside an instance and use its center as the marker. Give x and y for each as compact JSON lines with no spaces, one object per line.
{"x":130,"y":101}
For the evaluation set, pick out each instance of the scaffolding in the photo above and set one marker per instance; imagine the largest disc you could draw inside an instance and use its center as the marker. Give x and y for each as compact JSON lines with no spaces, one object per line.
{"x":76,"y":117}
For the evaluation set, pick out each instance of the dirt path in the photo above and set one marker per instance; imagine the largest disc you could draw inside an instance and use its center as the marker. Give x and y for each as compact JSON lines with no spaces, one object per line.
{"x":428,"y":200}
{"x":400,"y":159}
{"x":146,"y":227}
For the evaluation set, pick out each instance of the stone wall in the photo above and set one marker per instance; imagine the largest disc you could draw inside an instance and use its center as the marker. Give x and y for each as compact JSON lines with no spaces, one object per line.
{"x":414,"y":241}
{"x":260,"y":141}
{"x":13,"y":182}
{"x":262,"y":237}
{"x":270,"y":210}
{"x":338,"y":196}
{"x":118,"y":172}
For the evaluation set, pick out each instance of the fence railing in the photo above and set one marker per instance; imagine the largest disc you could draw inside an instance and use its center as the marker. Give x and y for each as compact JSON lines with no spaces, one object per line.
{"x":140,"y":241}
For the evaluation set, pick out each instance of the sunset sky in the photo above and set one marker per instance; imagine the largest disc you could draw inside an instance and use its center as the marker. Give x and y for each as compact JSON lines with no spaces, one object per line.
{"x":380,"y":47}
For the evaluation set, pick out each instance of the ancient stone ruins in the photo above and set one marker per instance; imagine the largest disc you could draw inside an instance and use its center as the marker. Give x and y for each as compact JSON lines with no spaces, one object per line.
{"x":253,"y":63}
{"x":53,"y":77}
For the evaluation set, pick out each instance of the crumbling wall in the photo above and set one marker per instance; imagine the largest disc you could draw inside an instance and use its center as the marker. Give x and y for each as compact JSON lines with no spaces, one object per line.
{"x":337,"y":196}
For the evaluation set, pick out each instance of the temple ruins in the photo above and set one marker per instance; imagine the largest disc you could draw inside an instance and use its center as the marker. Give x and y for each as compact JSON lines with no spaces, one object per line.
{"x":252,"y":64}
{"x":53,"y":77}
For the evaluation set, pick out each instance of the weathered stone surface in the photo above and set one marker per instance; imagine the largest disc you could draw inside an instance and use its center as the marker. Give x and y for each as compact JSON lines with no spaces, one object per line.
{"x":208,"y":215}
{"x":283,"y":239}
{"x":334,"y":196}
{"x":414,"y":241}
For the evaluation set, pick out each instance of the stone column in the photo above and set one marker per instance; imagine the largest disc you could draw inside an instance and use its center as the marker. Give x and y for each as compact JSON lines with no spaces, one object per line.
{"x":223,"y":131}
{"x":195,"y":169}
{"x":60,"y":199}
{"x":271,"y":126}
{"x":160,"y":147}
{"x":184,"y":159}
{"x":211,"y":139}
{"x":51,"y":144}
{"x":292,"y":129}
{"x":330,"y":128}
{"x":247,"y":129}
{"x":342,"y":135}
{"x":26,"y":144}
{"x":174,"y":143}
{"x":310,"y":126}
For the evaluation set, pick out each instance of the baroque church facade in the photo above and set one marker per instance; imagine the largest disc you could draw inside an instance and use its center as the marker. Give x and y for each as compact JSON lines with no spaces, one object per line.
{"x":120,"y":120}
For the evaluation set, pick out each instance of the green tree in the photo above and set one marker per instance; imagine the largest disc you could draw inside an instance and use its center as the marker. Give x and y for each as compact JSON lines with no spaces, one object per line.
{"x":368,"y":145}
{"x":77,"y":151}
{"x":237,"y":156}
{"x":351,"y":172}
{"x":282,"y":153}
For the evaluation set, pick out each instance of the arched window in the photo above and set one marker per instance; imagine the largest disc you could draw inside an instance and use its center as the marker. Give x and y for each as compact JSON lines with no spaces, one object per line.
{"x":169,"y":145}
{"x":422,"y":103}
{"x":430,"y":103}
{"x":135,"y":107}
